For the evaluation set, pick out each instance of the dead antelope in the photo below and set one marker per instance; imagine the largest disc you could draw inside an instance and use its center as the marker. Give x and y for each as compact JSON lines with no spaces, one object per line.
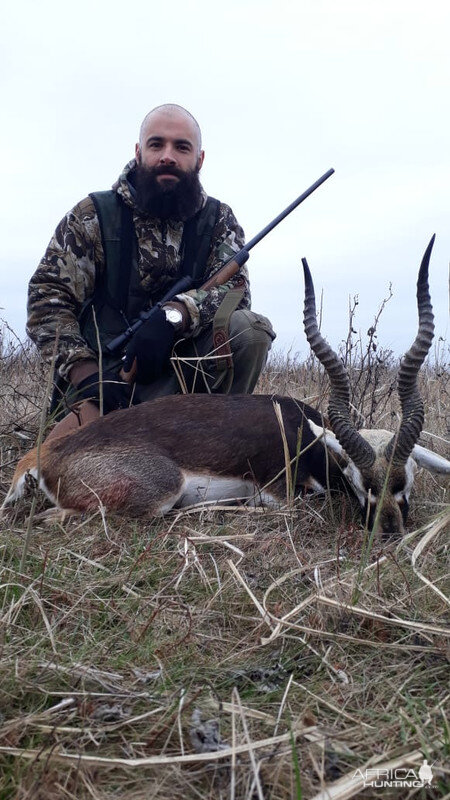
{"x":186,"y":449}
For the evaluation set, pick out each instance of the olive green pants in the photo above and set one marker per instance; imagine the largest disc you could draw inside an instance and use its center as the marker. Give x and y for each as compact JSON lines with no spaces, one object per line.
{"x":194,"y":367}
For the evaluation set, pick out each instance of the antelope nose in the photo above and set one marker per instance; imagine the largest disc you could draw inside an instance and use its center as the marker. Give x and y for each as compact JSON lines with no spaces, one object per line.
{"x":390,"y":524}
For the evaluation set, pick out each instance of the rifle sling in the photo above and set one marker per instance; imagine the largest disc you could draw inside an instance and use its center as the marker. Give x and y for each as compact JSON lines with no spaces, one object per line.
{"x":221,"y":338}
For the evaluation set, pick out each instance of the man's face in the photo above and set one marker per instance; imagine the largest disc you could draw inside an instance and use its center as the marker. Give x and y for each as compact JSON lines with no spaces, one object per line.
{"x":169,"y":139}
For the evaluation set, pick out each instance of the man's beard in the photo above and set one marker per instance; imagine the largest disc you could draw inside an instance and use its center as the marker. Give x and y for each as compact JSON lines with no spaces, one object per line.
{"x":179,"y":199}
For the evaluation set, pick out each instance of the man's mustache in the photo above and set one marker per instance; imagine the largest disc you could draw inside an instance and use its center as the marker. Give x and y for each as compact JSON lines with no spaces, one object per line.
{"x":167,"y":171}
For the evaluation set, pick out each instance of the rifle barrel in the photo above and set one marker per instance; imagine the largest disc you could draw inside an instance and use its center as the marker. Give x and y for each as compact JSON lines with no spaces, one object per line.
{"x":288,"y":210}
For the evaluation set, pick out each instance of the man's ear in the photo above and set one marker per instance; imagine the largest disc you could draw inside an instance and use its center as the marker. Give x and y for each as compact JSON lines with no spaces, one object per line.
{"x":137,"y":153}
{"x":200,"y":161}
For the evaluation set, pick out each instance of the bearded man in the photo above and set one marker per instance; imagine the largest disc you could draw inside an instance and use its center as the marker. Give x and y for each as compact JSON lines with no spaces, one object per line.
{"x":116,"y":254}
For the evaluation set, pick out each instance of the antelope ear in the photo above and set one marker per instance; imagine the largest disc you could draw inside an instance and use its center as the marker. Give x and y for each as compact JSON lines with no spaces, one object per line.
{"x":431,"y":461}
{"x":327,"y":436}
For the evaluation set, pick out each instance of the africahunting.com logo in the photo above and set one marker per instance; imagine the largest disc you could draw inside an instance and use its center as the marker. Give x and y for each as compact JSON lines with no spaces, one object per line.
{"x":400,"y":777}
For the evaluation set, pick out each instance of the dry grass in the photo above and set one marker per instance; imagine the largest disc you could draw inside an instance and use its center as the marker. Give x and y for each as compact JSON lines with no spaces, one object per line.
{"x":225,"y":654}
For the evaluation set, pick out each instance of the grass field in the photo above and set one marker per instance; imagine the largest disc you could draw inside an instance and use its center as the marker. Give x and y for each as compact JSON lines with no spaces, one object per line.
{"x":227,"y":653}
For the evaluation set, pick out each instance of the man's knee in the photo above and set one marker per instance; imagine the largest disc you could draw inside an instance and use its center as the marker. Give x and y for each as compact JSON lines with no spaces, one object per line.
{"x":250,"y":330}
{"x":251,"y":336}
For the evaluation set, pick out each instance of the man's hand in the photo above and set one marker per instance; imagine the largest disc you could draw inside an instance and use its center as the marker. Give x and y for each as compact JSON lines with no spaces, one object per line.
{"x":150,"y":348}
{"x":116,"y":393}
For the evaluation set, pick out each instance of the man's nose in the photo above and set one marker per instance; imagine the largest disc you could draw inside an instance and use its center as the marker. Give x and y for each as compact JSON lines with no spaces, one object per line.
{"x":167,"y":156}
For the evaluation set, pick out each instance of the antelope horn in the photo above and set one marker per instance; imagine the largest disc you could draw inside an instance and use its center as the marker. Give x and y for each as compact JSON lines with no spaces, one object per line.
{"x":401,"y":445}
{"x":360,"y":451}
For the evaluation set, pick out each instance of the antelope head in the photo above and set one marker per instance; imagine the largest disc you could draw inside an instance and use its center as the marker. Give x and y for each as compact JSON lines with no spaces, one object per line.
{"x":380,"y":466}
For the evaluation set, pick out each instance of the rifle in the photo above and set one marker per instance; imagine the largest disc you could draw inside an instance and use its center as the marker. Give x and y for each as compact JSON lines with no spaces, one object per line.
{"x":223,"y":275}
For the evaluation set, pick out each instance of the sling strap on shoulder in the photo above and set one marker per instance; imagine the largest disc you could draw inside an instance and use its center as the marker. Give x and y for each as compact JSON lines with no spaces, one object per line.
{"x":197,"y":239}
{"x":118,"y":239}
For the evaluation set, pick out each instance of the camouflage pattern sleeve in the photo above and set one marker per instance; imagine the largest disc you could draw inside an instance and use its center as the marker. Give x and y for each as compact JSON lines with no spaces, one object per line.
{"x":63,"y":281}
{"x":228,"y":239}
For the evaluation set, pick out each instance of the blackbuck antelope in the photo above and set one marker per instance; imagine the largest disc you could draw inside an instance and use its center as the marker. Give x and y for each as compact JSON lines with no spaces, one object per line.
{"x":187,"y":449}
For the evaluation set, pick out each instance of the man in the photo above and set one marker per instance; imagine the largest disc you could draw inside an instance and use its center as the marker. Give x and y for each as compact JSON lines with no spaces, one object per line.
{"x":118,"y":253}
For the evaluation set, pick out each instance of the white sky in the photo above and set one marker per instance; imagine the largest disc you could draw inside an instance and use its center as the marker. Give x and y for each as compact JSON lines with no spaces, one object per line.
{"x":282,"y":91}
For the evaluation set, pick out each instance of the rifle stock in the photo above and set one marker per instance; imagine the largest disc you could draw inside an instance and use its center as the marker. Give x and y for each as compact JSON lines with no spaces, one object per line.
{"x":225,"y":273}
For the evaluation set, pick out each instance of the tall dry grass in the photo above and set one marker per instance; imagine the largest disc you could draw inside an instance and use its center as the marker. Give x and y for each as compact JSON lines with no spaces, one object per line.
{"x":226,"y":653}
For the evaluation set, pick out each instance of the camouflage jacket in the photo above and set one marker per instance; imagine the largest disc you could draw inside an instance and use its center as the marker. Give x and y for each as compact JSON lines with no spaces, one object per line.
{"x":65,"y":278}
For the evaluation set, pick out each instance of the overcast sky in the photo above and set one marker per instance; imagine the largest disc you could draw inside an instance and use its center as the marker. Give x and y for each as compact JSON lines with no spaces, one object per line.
{"x":282,"y":91}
